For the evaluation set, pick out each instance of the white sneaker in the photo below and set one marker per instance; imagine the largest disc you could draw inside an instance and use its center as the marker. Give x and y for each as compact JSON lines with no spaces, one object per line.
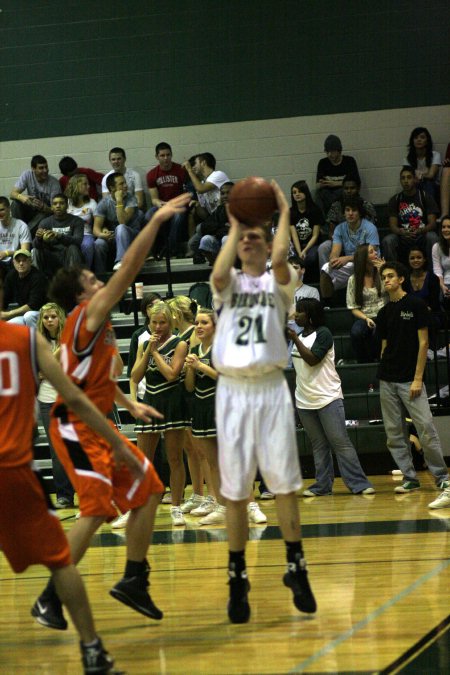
{"x":216,"y":517}
{"x":121,"y":521}
{"x":177,"y":516}
{"x":207,"y":506}
{"x":191,"y":503}
{"x":167,"y":498}
{"x":117,"y":266}
{"x":442,"y":501}
{"x":255,"y":515}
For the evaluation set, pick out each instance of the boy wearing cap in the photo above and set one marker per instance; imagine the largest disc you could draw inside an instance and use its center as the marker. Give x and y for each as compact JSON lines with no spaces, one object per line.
{"x":331,"y":171}
{"x":25,"y":287}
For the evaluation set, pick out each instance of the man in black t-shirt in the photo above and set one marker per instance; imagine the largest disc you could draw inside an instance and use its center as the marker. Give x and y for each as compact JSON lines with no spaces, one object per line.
{"x":403,"y":328}
{"x":58,"y":239}
{"x":331,"y":171}
{"x":25,"y":287}
{"x":412,"y":220}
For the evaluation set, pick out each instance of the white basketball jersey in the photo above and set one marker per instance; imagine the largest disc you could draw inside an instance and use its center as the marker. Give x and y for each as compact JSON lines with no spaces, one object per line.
{"x":250,"y":335}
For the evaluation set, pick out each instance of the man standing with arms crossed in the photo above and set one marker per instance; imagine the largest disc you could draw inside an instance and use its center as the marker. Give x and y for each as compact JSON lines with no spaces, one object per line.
{"x":255,"y":417}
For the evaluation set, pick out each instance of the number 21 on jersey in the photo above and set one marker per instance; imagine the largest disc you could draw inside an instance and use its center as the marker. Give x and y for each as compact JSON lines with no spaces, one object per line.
{"x":251,"y":330}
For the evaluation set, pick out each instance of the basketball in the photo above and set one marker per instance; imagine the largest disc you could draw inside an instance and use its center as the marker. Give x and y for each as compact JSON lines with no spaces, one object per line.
{"x":252,"y":201}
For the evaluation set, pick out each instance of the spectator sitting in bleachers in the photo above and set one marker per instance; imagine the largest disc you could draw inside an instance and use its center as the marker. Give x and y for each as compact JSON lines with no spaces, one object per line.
{"x":441,"y":259}
{"x":207,"y":182}
{"x":445,"y":184}
{"x":422,"y":281}
{"x":412,"y":220}
{"x":331,"y":171}
{"x":365,"y":298}
{"x":306,"y":221}
{"x":117,"y":159}
{"x":58,"y":239}
{"x":165,"y":181}
{"x":14,"y":234}
{"x":40,"y":188}
{"x":425,"y":161}
{"x":25,"y":287}
{"x":350,"y":234}
{"x":117,"y":221}
{"x":69,"y":168}
{"x":210,"y":235}
{"x":82,"y":205}
{"x":424,"y":284}
{"x":351,"y":186}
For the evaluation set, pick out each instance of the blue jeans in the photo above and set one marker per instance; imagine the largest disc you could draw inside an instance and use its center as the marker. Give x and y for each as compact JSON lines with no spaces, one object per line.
{"x":365,"y":342}
{"x":311,"y":260}
{"x":395,"y":403}
{"x":396,"y":247}
{"x":174,"y":228}
{"x":28,"y":319}
{"x":123,"y":236}
{"x":326,"y":430}
{"x":87,"y":249}
{"x":62,"y":483}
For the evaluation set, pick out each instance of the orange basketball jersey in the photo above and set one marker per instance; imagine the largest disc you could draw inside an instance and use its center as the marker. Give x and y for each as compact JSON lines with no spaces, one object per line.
{"x":89,"y":359}
{"x":18,"y":387}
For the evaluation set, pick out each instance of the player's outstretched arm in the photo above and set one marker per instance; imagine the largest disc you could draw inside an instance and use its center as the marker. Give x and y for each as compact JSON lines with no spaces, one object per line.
{"x":105,"y":299}
{"x":280,"y":246}
{"x":220,"y":276}
{"x":138,"y":410}
{"x":82,"y":406}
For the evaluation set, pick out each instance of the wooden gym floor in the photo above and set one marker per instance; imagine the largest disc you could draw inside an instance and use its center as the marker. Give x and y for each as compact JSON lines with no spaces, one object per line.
{"x":379,"y":566}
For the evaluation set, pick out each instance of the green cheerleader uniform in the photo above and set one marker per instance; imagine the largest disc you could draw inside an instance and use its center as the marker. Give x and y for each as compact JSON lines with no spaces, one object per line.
{"x":163,"y":395}
{"x":204,"y":415}
{"x":188,"y":396}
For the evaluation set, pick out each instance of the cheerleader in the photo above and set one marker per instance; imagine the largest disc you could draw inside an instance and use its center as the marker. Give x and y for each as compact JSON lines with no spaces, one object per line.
{"x":161,"y":360}
{"x":201,"y":379}
{"x":183,"y":312}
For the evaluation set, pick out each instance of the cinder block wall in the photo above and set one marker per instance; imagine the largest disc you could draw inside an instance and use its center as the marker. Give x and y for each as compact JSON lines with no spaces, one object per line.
{"x":258,"y":83}
{"x":286,"y":149}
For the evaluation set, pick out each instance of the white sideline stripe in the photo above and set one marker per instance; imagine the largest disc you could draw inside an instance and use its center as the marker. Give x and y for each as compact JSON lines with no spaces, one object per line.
{"x":67,"y":431}
{"x":93,"y":474}
{"x":132,"y":491}
{"x":348,"y":634}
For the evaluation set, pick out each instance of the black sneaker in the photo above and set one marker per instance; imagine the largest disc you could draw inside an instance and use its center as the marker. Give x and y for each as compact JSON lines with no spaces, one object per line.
{"x":133,"y":592}
{"x":48,"y":612}
{"x":296,"y":578}
{"x":238,"y":607}
{"x":95,"y":659}
{"x":64,"y":503}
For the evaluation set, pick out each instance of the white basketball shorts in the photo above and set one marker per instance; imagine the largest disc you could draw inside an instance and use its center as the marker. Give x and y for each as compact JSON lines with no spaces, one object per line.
{"x":256,"y":429}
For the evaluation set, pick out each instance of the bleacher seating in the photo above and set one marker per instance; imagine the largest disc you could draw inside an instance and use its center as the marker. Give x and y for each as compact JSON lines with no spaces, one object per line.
{"x":359,"y":382}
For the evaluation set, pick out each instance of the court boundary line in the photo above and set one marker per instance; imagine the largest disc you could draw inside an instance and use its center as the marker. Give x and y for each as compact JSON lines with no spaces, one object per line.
{"x":326,"y":649}
{"x":413,"y":652}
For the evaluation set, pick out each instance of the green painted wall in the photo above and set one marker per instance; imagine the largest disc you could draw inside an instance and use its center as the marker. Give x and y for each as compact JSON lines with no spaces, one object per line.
{"x":86,"y":67}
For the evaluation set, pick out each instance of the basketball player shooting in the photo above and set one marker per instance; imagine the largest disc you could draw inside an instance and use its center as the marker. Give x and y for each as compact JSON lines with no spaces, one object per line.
{"x":254,"y":413}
